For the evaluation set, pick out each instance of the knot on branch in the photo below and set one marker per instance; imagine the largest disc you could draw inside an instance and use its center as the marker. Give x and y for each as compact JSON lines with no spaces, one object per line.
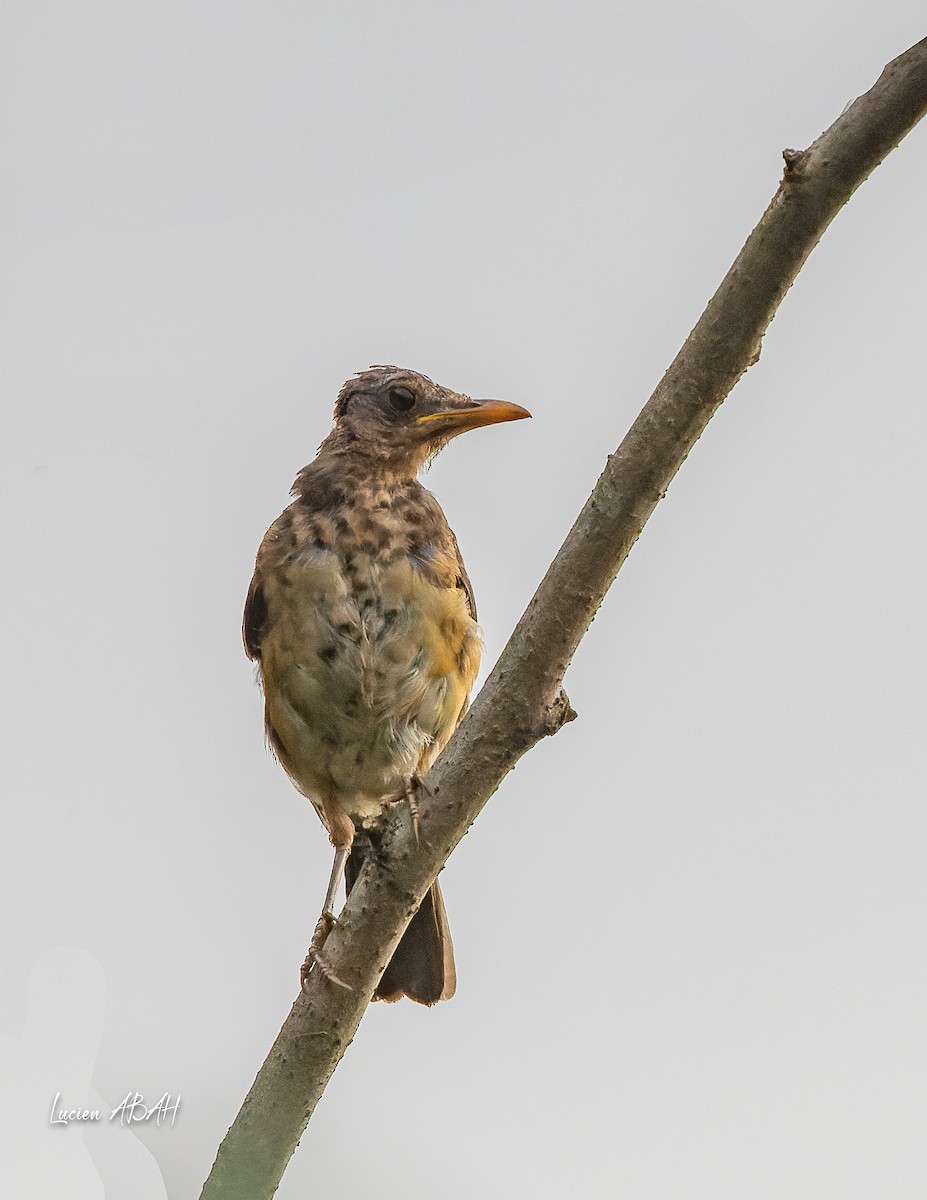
{"x":557,"y":714}
{"x":794,"y":161}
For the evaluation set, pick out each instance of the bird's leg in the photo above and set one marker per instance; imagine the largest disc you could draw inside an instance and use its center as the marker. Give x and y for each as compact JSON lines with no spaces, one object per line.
{"x":339,"y":825}
{"x":410,"y":785}
{"x":413,"y":808}
{"x":341,"y":857}
{"x":325,"y":924}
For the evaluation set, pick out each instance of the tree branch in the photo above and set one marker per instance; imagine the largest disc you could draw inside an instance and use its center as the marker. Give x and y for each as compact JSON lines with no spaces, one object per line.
{"x":522,"y":700}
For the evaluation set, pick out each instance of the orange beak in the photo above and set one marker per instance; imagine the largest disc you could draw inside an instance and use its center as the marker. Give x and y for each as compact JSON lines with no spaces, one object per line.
{"x":477,"y":413}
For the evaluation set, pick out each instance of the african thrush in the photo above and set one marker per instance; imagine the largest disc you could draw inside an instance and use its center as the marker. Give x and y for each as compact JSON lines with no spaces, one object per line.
{"x":361,"y":618}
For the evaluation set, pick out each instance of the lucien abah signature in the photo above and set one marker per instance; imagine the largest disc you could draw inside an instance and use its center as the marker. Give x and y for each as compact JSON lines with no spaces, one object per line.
{"x":130,"y":1111}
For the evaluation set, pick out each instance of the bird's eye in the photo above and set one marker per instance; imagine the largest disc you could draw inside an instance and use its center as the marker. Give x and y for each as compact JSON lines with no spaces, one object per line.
{"x":401,"y":398}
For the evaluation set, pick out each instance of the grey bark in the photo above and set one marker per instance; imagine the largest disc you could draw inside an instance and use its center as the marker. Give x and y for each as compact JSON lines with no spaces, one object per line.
{"x":522,"y":701}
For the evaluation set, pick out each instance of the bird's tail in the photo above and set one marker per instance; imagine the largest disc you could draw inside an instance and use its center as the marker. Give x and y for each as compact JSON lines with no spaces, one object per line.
{"x":422,"y":966}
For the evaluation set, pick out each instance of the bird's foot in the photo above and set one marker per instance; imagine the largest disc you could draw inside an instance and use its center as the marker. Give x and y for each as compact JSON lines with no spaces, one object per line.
{"x":314,"y":956}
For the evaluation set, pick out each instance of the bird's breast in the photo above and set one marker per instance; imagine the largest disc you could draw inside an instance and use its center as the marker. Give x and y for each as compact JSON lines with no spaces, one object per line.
{"x":367,"y":667}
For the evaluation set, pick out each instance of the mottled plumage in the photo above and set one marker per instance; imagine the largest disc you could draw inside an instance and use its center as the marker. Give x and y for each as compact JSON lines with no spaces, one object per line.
{"x":361,"y":617}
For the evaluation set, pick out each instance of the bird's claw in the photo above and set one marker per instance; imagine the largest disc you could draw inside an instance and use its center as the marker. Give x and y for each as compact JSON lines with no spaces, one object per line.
{"x":315,"y":958}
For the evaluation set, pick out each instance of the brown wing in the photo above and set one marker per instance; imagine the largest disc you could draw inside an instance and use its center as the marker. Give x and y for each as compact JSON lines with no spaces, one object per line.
{"x":463,"y":582}
{"x":442,"y":562}
{"x":463,"y":579}
{"x":271,"y":552}
{"x":254,"y":621}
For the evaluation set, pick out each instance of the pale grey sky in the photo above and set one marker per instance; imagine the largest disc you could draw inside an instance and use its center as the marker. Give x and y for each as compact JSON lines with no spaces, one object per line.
{"x":690,"y":929}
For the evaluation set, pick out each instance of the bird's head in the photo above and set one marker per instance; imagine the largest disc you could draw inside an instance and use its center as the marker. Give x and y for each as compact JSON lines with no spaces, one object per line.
{"x":402,"y":419}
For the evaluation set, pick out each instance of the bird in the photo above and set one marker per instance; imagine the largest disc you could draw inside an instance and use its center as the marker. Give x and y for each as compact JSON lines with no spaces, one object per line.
{"x":362,"y":622}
